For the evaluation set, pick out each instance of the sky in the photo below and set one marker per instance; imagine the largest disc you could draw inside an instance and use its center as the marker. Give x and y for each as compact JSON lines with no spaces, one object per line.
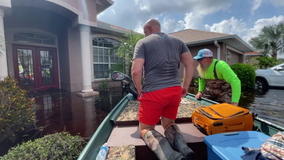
{"x":244,"y":18}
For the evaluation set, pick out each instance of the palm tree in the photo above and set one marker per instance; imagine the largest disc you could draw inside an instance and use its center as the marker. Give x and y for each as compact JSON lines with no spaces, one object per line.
{"x":126,"y":48}
{"x":270,"y":40}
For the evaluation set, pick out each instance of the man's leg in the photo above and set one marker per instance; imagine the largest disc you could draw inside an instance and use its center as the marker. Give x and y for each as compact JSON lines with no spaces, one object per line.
{"x":176,"y":139}
{"x":150,"y":111}
{"x":158,"y":143}
{"x":172,"y":131}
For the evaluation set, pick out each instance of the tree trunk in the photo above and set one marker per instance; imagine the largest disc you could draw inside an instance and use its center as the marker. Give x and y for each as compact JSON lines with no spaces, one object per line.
{"x":274,"y":54}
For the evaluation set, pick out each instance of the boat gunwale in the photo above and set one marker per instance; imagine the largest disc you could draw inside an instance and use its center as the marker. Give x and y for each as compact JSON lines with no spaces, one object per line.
{"x":111,"y":117}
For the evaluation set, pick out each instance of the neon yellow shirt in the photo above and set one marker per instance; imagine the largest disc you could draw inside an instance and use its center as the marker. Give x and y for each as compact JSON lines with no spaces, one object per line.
{"x":225,"y":72}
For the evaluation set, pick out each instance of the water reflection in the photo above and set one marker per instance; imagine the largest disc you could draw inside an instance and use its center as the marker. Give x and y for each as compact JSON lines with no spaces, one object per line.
{"x":270,"y":106}
{"x":67,"y":111}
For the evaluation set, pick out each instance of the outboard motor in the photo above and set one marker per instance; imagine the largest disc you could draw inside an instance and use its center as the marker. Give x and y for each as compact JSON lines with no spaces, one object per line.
{"x":128,"y":83}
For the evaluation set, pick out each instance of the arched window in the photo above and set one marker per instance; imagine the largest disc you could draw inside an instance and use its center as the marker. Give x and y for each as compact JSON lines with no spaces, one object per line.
{"x":31,"y":37}
{"x":103,"y":57}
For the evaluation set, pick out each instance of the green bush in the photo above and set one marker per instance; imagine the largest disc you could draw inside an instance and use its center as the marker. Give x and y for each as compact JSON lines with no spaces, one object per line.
{"x":103,"y":87}
{"x":50,"y":147}
{"x":17,"y":111}
{"x":266,"y":62}
{"x":246,"y":74}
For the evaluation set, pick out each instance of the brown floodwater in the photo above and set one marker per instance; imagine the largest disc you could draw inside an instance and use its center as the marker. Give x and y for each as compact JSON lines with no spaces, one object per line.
{"x":64,"y":111}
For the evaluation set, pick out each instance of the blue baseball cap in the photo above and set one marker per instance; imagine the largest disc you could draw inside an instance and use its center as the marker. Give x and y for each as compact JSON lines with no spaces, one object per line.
{"x":203,"y":53}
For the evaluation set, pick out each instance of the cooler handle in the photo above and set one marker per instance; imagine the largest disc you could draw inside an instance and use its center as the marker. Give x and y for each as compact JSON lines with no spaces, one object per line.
{"x":236,"y":127}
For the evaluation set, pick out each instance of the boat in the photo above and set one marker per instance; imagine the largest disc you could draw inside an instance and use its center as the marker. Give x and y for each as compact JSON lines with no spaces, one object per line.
{"x":123,"y":137}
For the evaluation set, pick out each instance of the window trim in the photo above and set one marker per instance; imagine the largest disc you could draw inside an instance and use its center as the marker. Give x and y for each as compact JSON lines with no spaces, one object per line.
{"x":109,"y":63}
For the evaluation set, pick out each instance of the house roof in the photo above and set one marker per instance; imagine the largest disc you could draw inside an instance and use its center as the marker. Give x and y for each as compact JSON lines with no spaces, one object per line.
{"x":113,"y":28}
{"x":103,"y":5}
{"x":192,"y":37}
{"x":253,"y":54}
{"x":108,"y":26}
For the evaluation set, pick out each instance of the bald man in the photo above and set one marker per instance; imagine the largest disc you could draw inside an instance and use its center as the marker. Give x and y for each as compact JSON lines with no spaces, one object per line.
{"x":160,"y":55}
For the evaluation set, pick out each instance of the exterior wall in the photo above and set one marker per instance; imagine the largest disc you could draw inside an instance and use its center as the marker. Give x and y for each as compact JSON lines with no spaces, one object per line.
{"x":86,"y":10}
{"x":5,"y":3}
{"x":75,"y":59}
{"x":194,"y":50}
{"x":63,"y":50}
{"x":30,"y":19}
{"x":235,"y":56}
{"x":114,"y":85}
{"x":251,"y":59}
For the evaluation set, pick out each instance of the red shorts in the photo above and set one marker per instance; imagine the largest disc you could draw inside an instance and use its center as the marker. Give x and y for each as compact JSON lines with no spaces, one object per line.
{"x":163,"y":102}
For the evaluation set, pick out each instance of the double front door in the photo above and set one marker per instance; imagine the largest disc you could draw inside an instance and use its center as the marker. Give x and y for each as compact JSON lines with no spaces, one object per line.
{"x":35,"y":67}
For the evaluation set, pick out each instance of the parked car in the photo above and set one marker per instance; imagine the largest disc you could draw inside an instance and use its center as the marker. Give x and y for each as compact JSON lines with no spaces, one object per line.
{"x":271,"y":77}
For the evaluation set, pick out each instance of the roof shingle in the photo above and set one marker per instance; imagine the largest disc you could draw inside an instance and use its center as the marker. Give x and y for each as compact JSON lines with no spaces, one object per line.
{"x":192,"y":35}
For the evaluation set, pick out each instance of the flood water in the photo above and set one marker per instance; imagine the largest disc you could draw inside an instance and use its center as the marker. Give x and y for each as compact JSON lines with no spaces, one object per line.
{"x":64,"y":111}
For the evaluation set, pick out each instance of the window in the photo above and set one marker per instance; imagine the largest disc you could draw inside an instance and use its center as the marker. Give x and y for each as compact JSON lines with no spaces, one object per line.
{"x":103,"y":57}
{"x":34,"y":38}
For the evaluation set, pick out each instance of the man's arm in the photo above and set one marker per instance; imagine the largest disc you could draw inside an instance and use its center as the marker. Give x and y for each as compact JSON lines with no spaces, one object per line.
{"x":188,"y":62}
{"x":201,"y":84}
{"x":230,"y":77}
{"x":136,"y":72}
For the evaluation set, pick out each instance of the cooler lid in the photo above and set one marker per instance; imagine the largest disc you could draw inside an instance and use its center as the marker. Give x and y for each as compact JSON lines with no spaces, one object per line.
{"x":229,"y":145}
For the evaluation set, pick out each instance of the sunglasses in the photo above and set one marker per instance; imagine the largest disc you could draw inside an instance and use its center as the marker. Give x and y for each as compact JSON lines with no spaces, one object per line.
{"x":199,"y":60}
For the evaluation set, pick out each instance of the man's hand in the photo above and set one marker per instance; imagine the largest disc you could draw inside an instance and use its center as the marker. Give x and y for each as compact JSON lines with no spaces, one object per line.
{"x":184,"y":92}
{"x":198,"y":95}
{"x":234,"y":103}
{"x":139,"y":90}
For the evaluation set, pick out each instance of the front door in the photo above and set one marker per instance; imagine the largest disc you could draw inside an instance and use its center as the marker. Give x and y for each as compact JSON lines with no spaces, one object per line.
{"x":35,"y":67}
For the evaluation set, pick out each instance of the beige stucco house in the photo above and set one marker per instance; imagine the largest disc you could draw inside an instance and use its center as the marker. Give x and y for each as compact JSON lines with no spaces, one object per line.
{"x":57,"y":43}
{"x":250,"y":57}
{"x":227,"y":47}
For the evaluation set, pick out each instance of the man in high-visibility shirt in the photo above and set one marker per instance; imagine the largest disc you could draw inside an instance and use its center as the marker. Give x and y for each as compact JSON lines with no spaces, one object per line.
{"x":217,"y":81}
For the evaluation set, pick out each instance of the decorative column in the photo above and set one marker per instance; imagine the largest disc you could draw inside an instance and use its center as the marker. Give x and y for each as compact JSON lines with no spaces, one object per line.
{"x":3,"y":56}
{"x":86,"y":62}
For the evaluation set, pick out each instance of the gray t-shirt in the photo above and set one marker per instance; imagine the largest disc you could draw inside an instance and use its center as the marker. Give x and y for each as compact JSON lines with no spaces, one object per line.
{"x":161,"y":53}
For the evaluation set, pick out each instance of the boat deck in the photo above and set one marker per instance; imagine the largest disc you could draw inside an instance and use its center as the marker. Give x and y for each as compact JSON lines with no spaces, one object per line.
{"x":125,"y":141}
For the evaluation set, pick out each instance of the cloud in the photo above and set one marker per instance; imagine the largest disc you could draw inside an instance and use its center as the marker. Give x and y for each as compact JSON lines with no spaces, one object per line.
{"x":277,"y":3}
{"x":259,"y":24}
{"x":256,"y":4}
{"x":230,"y":26}
{"x":172,"y":25}
{"x":194,"y":21}
{"x":133,"y":14}
{"x":240,"y":28}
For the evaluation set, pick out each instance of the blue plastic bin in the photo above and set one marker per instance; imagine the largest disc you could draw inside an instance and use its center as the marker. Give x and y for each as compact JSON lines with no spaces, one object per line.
{"x":228,"y":146}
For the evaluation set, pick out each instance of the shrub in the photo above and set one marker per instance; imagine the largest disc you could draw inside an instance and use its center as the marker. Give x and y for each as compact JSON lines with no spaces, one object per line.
{"x":17,"y":111}
{"x":266,"y":62}
{"x":103,"y":87}
{"x":246,"y":74}
{"x":54,"y":146}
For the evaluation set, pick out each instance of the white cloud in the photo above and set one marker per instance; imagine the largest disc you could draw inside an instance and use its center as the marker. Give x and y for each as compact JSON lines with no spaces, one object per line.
{"x":259,"y":24}
{"x":113,"y":11}
{"x":256,"y":4}
{"x":277,"y":3}
{"x":172,"y":25}
{"x":139,"y":27}
{"x":129,"y":14}
{"x":193,"y":21}
{"x":238,"y":27}
{"x":230,"y":26}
